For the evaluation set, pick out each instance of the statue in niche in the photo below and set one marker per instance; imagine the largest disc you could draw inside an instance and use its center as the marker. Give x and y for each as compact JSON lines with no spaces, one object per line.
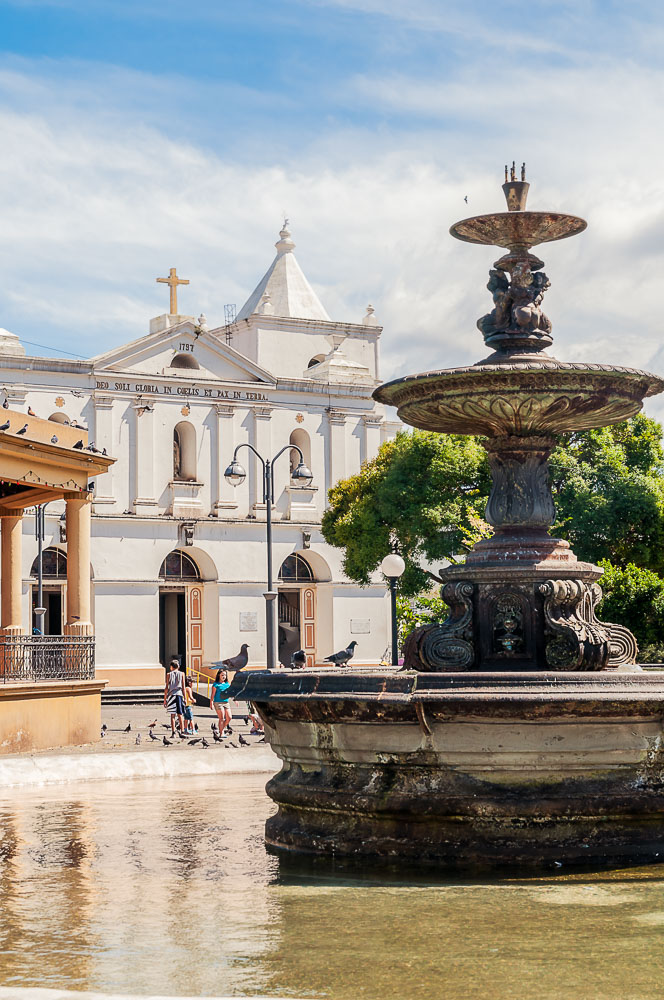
{"x":177,"y":456}
{"x":516,"y":304}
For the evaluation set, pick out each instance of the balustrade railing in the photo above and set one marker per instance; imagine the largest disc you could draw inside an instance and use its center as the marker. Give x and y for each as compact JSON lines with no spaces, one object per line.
{"x":47,"y":658}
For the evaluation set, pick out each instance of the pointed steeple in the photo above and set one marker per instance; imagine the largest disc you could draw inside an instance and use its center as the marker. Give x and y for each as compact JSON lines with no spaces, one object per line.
{"x":289,"y":293}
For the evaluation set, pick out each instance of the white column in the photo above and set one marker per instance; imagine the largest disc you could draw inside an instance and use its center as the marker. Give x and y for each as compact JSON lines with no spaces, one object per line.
{"x":337,"y":461}
{"x":78,"y":513}
{"x":103,"y":438}
{"x":262,"y":442}
{"x":371,"y":438}
{"x":144,"y":458}
{"x":224,"y":495}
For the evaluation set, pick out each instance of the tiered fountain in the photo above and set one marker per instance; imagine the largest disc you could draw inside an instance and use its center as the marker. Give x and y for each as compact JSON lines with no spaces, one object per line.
{"x":521,"y":730}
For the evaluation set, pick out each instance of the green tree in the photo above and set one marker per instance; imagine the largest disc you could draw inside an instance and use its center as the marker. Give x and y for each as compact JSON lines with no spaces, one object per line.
{"x":430,"y":490}
{"x":426,"y":490}
{"x":634,"y":597}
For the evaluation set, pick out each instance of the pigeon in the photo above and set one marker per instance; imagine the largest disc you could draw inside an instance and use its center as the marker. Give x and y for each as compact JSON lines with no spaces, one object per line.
{"x":138,"y":739}
{"x":31,"y":412}
{"x":182,"y":736}
{"x":341,"y":659}
{"x":104,"y":728}
{"x":23,"y":429}
{"x":91,"y":447}
{"x":167,"y":743}
{"x":243,"y":742}
{"x":246,"y":720}
{"x":75,"y":393}
{"x":151,"y":725}
{"x":239,"y":661}
{"x":54,"y":439}
{"x":195,"y":727}
{"x":102,"y":735}
{"x":205,"y":742}
{"x":103,"y":451}
{"x":165,"y":725}
{"x":216,"y":738}
{"x":228,"y":731}
{"x":192,"y":743}
{"x":152,"y":736}
{"x":213,"y":727}
{"x":79,"y":446}
{"x":298,"y":660}
{"x":5,"y":426}
{"x":128,"y":729}
{"x":5,"y":405}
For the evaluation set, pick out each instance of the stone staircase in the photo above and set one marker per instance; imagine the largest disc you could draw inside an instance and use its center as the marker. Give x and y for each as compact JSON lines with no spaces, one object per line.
{"x":133,"y":696}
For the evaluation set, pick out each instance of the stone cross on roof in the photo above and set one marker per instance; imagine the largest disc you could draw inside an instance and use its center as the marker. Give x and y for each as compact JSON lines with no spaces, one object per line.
{"x":173,"y":281}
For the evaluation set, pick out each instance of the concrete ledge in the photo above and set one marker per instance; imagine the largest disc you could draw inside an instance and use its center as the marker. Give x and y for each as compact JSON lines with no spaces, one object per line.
{"x":48,"y":769}
{"x":40,"y":715}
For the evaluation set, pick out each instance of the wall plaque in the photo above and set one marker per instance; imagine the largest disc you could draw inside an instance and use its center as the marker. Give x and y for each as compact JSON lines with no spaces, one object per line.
{"x":248,"y":621}
{"x":360,"y":626}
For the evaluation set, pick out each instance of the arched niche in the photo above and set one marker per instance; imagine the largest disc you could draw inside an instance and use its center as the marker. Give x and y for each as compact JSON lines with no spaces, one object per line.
{"x":59,"y":417}
{"x":316,"y":360}
{"x":301,"y":438}
{"x":184,"y":361}
{"x":184,"y":452}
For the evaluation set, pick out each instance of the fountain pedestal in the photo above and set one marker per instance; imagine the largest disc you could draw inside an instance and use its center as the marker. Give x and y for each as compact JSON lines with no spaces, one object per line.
{"x":522,"y":730}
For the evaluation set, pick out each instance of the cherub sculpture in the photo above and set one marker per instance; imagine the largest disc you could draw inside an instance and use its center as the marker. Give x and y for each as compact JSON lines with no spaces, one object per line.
{"x":516,"y":303}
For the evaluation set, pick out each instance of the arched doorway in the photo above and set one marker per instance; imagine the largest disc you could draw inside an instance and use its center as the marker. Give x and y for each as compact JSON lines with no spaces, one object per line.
{"x":180,"y":611}
{"x":296,"y":605}
{"x":54,"y":576}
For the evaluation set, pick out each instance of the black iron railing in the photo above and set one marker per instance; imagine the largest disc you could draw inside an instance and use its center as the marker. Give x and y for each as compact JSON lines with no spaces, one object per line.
{"x":47,"y":658}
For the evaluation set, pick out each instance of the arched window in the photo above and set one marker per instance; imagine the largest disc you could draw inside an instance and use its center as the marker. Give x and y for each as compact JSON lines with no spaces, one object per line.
{"x":184,"y":361}
{"x":59,"y":417}
{"x":184,"y":452}
{"x":296,"y":569}
{"x":54,"y":564}
{"x":179,"y":566}
{"x":316,"y":360}
{"x":303,"y":441}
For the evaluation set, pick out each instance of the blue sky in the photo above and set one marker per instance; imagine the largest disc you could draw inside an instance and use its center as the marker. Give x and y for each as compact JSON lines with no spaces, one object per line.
{"x":138,"y":136}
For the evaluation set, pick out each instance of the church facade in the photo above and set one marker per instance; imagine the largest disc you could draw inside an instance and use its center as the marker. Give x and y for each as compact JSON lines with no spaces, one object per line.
{"x":178,"y":553}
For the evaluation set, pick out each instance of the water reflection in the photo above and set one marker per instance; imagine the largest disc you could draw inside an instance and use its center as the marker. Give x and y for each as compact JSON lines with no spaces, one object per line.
{"x":165,"y":887}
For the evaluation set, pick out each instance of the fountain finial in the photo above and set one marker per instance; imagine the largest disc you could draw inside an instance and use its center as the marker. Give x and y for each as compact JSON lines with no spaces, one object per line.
{"x":516,"y":192}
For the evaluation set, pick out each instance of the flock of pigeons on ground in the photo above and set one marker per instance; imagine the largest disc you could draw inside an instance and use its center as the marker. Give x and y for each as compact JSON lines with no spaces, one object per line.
{"x":79,"y":446}
{"x":220,"y":739}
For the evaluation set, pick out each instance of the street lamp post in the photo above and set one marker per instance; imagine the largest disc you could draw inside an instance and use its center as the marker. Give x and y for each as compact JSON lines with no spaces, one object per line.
{"x":236,"y":474}
{"x":393,"y":567}
{"x":40,"y":610}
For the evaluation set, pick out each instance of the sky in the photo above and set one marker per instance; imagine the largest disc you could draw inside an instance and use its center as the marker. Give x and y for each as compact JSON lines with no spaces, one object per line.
{"x":140,"y":135}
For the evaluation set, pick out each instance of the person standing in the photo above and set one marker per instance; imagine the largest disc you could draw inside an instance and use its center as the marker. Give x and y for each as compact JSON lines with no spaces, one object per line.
{"x":219,"y":700}
{"x":174,"y":695}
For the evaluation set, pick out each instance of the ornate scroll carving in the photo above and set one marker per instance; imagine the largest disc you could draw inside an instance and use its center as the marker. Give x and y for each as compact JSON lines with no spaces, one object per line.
{"x":520,"y":494}
{"x":622,"y":644}
{"x":448,"y":646}
{"x":575,"y":639}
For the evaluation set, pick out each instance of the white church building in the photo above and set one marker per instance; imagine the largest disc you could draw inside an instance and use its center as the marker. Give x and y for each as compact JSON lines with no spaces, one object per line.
{"x":179,"y":554}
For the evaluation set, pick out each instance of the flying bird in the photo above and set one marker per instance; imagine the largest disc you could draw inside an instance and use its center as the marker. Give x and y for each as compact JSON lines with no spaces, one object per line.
{"x":298,"y":660}
{"x":128,"y":729}
{"x":5,"y":426}
{"x":465,"y":198}
{"x":239,"y":661}
{"x":54,"y":439}
{"x":23,"y":429}
{"x":341,"y":659}
{"x":79,"y":446}
{"x":31,"y":412}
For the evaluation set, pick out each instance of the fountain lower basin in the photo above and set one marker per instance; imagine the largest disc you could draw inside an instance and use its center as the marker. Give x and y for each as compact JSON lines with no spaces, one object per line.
{"x":465,"y":770}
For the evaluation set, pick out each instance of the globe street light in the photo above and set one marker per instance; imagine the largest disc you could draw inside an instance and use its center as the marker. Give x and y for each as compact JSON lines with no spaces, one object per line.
{"x":392,"y":567}
{"x":236,"y":474}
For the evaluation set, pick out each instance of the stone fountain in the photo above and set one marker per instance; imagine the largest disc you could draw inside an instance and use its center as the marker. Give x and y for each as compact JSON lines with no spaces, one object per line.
{"x":521,"y":730}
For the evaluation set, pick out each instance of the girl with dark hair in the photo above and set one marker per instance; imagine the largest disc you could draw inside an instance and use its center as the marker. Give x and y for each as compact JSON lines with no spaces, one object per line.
{"x":219,"y":700}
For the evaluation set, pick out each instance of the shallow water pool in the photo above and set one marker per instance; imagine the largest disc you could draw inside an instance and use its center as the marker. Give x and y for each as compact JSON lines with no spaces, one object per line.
{"x":164,"y":886}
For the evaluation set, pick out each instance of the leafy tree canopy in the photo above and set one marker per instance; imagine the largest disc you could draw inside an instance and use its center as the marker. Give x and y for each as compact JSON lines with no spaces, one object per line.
{"x":429,"y":492}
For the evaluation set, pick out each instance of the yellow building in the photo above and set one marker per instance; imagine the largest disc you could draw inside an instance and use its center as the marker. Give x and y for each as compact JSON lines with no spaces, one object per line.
{"x":48,"y":692}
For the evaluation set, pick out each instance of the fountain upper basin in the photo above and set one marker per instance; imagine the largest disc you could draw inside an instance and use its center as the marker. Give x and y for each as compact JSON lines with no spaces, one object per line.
{"x":532,"y":397}
{"x":518,"y":229}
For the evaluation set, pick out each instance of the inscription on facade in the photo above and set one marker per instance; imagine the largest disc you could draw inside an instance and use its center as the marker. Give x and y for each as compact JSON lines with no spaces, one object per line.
{"x":248,"y":621}
{"x":360,"y":626}
{"x":202,"y":391}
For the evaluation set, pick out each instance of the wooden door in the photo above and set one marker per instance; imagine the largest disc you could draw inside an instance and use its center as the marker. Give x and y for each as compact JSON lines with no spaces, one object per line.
{"x":308,"y":619}
{"x":194,"y":628}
